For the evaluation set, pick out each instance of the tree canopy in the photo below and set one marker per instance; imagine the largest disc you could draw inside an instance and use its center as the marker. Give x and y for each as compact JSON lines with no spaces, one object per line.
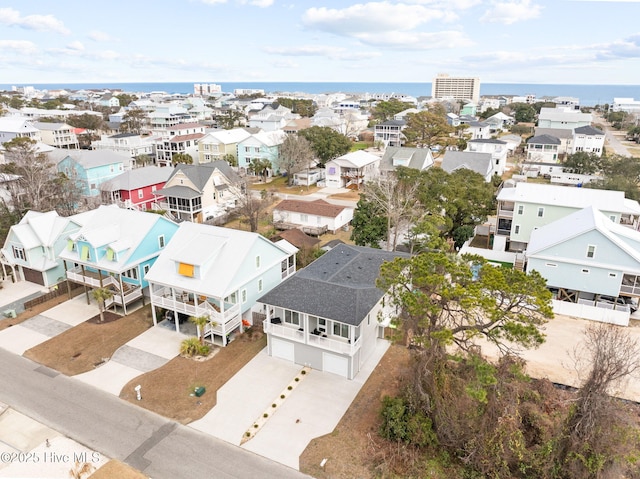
{"x":326,"y":143}
{"x":295,"y":154}
{"x":583,"y":163}
{"x":369,"y":226}
{"x":386,"y":110}
{"x":429,"y":128}
{"x":303,"y":107}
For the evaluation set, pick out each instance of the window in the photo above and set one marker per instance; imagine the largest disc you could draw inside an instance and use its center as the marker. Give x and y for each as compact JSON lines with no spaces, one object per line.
{"x":140,"y":194}
{"x":71,"y":246}
{"x":146,"y":268}
{"x":612,"y":218}
{"x":111,"y":168}
{"x":520,"y":209}
{"x":257,"y":261}
{"x":131,"y":273}
{"x":292,"y":317}
{"x":153,"y":188}
{"x":111,"y":255}
{"x":243,"y":296}
{"x":341,"y":330}
{"x":84,"y":254}
{"x":585,"y":270}
{"x":516,"y":229}
{"x":186,"y":269}
{"x":232,"y":298}
{"x":540,"y":212}
{"x":304,"y":218}
{"x":322,"y":325}
{"x":161,"y":241}
{"x":18,"y":253}
{"x":260,"y":285}
{"x":591,"y":251}
{"x":613,"y":275}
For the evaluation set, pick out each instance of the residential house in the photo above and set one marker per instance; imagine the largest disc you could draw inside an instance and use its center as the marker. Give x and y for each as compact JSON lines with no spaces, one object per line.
{"x":136,"y":189}
{"x":169,"y":116}
{"x":182,"y":138}
{"x":564,"y":135}
{"x":588,"y":139}
{"x":32,"y":246}
{"x":478,"y":130}
{"x":513,"y":142}
{"x":311,"y":216}
{"x":193,"y":192}
{"x":497,"y":149}
{"x":395,"y":156}
{"x":566,"y":118}
{"x":264,"y":145}
{"x":330,"y":314}
{"x":272,"y":117}
{"x":543,"y":149}
{"x":132,"y":145}
{"x":308,"y":177}
{"x":114,"y":249}
{"x":481,"y":163}
{"x":18,"y":127}
{"x":92,"y":168}
{"x":590,"y":263}
{"x":217,"y":144}
{"x":529,"y":206}
{"x":351,"y":170}
{"x":294,"y":126}
{"x":390,"y":132}
{"x":108,"y":100}
{"x":469,"y":109}
{"x":58,"y":135}
{"x":628,"y":105}
{"x":219,"y":273}
{"x":499,"y":122}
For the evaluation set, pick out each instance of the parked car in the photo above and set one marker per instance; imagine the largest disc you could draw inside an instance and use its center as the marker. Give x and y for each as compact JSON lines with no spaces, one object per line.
{"x":169,"y":316}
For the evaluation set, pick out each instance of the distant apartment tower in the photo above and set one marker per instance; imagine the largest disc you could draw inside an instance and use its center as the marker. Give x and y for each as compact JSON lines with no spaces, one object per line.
{"x":204,"y":89}
{"x":458,"y":88}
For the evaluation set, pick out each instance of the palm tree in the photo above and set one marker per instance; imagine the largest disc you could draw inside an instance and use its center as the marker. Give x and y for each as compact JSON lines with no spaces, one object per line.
{"x":101,"y":295}
{"x":200,"y":322}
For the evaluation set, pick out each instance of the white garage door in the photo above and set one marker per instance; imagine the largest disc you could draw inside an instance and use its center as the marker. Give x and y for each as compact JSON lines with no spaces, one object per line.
{"x":282,"y":349}
{"x":332,"y":363}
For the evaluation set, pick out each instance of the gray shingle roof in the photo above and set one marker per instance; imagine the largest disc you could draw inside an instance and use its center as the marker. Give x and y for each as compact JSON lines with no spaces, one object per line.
{"x":544,"y":140}
{"x":199,"y":174}
{"x":588,"y":130}
{"x":478,"y":162}
{"x":418,"y":157}
{"x":340,"y":285}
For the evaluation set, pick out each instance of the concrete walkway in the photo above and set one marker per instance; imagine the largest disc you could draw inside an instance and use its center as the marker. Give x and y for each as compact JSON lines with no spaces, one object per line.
{"x":314,"y":408}
{"x":146,"y":352}
{"x":46,"y":325}
{"x":13,"y":295}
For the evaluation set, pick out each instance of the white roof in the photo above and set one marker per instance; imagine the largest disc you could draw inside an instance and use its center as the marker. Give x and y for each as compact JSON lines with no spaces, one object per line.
{"x":220,"y":252}
{"x":356,"y":159}
{"x":579,"y":223}
{"x":570,"y":197}
{"x":226,"y":137}
{"x":560,"y":114}
{"x":270,"y":138}
{"x":16,"y":124}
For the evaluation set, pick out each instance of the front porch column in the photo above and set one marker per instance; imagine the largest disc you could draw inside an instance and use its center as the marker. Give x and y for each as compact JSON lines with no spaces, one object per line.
{"x":176,"y":320}
{"x":124,"y":306}
{"x":64,"y":261}
{"x":153,"y":306}
{"x":224,"y":326}
{"x":84,"y":284}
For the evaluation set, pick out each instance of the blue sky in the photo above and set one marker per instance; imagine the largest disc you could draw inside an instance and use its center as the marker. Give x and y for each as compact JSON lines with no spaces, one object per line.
{"x":519,"y":41}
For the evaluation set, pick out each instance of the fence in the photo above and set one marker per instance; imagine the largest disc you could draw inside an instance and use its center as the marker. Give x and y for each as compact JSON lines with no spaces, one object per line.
{"x":59,"y":291}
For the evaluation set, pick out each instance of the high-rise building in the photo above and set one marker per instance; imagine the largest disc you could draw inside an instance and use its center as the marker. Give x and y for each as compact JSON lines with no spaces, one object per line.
{"x":458,"y":88}
{"x":204,"y":89}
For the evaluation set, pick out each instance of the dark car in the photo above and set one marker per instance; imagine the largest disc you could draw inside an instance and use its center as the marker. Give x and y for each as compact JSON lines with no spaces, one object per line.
{"x":169,"y":316}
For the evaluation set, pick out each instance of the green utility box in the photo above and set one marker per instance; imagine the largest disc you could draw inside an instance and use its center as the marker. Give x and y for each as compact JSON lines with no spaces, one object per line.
{"x":199,"y":391}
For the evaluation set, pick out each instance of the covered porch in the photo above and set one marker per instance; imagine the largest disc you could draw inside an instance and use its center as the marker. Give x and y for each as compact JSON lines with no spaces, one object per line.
{"x":313,"y":330}
{"x":224,"y":316}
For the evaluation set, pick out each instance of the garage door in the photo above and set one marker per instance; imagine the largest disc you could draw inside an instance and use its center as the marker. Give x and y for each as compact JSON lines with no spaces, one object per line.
{"x":335,"y":364}
{"x":282,"y":349}
{"x":33,"y":276}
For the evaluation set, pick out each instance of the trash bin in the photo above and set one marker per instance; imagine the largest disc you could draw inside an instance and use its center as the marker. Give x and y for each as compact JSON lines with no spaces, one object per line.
{"x":199,"y":391}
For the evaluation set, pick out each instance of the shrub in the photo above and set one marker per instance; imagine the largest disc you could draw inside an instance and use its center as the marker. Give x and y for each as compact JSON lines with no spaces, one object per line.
{"x":273,"y":405}
{"x":256,"y":426}
{"x":281,"y":396}
{"x":297,"y":379}
{"x":289,"y":388}
{"x":248,"y":434}
{"x":265,"y":415}
{"x":190,"y":347}
{"x":303,"y":372}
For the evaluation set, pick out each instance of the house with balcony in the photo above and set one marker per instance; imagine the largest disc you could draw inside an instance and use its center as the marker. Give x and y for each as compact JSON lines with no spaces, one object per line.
{"x":497,"y":148}
{"x":18,"y":127}
{"x":182,"y":139}
{"x":191,"y":190}
{"x":92,"y":168}
{"x":271,"y":118}
{"x":313,"y":217}
{"x":114,"y":249}
{"x":478,"y":130}
{"x":218,"y":273}
{"x":394,"y":157}
{"x":216,"y":145}
{"x":330,"y":314}
{"x":129,"y":144}
{"x":351,"y":170}
{"x":390,"y":132}
{"x":58,"y":135}
{"x":136,"y":189}
{"x":264,"y":145}
{"x":529,"y":206}
{"x":591,"y":264}
{"x":32,"y":246}
{"x":563,"y":117}
{"x":543,"y":149}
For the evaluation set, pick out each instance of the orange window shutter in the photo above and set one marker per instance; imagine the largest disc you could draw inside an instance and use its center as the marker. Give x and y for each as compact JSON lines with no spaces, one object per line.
{"x":186,"y":269}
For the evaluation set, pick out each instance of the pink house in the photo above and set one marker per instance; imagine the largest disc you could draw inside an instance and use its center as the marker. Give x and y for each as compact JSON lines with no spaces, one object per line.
{"x":134,"y":189}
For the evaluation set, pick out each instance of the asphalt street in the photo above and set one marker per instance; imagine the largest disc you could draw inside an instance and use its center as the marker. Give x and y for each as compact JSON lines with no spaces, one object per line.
{"x":156,"y":446}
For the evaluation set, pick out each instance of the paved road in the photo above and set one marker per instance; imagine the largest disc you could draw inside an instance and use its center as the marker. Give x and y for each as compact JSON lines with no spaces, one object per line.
{"x":158,"y":447}
{"x":612,"y":142}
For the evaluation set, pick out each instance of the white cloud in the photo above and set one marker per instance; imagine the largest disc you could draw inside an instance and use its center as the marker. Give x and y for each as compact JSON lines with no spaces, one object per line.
{"x":373,"y":17}
{"x":18,"y":46}
{"x":337,"y":53}
{"x":213,"y":2}
{"x":98,"y":36}
{"x":416,"y":40}
{"x":12,"y":17}
{"x":258,"y":3}
{"x":77,"y":46}
{"x":448,"y":4}
{"x":511,"y":12}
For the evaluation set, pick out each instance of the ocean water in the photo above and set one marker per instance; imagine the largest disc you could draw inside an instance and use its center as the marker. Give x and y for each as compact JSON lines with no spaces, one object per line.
{"x":589,"y":95}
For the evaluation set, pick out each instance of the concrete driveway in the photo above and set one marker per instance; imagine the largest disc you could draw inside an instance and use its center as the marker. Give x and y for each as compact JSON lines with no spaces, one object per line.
{"x":46,"y":325}
{"x":146,"y":352}
{"x":313,"y":408}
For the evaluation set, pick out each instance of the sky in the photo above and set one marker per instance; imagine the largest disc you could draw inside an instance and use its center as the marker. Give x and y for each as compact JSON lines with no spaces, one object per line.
{"x":213,"y":41}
